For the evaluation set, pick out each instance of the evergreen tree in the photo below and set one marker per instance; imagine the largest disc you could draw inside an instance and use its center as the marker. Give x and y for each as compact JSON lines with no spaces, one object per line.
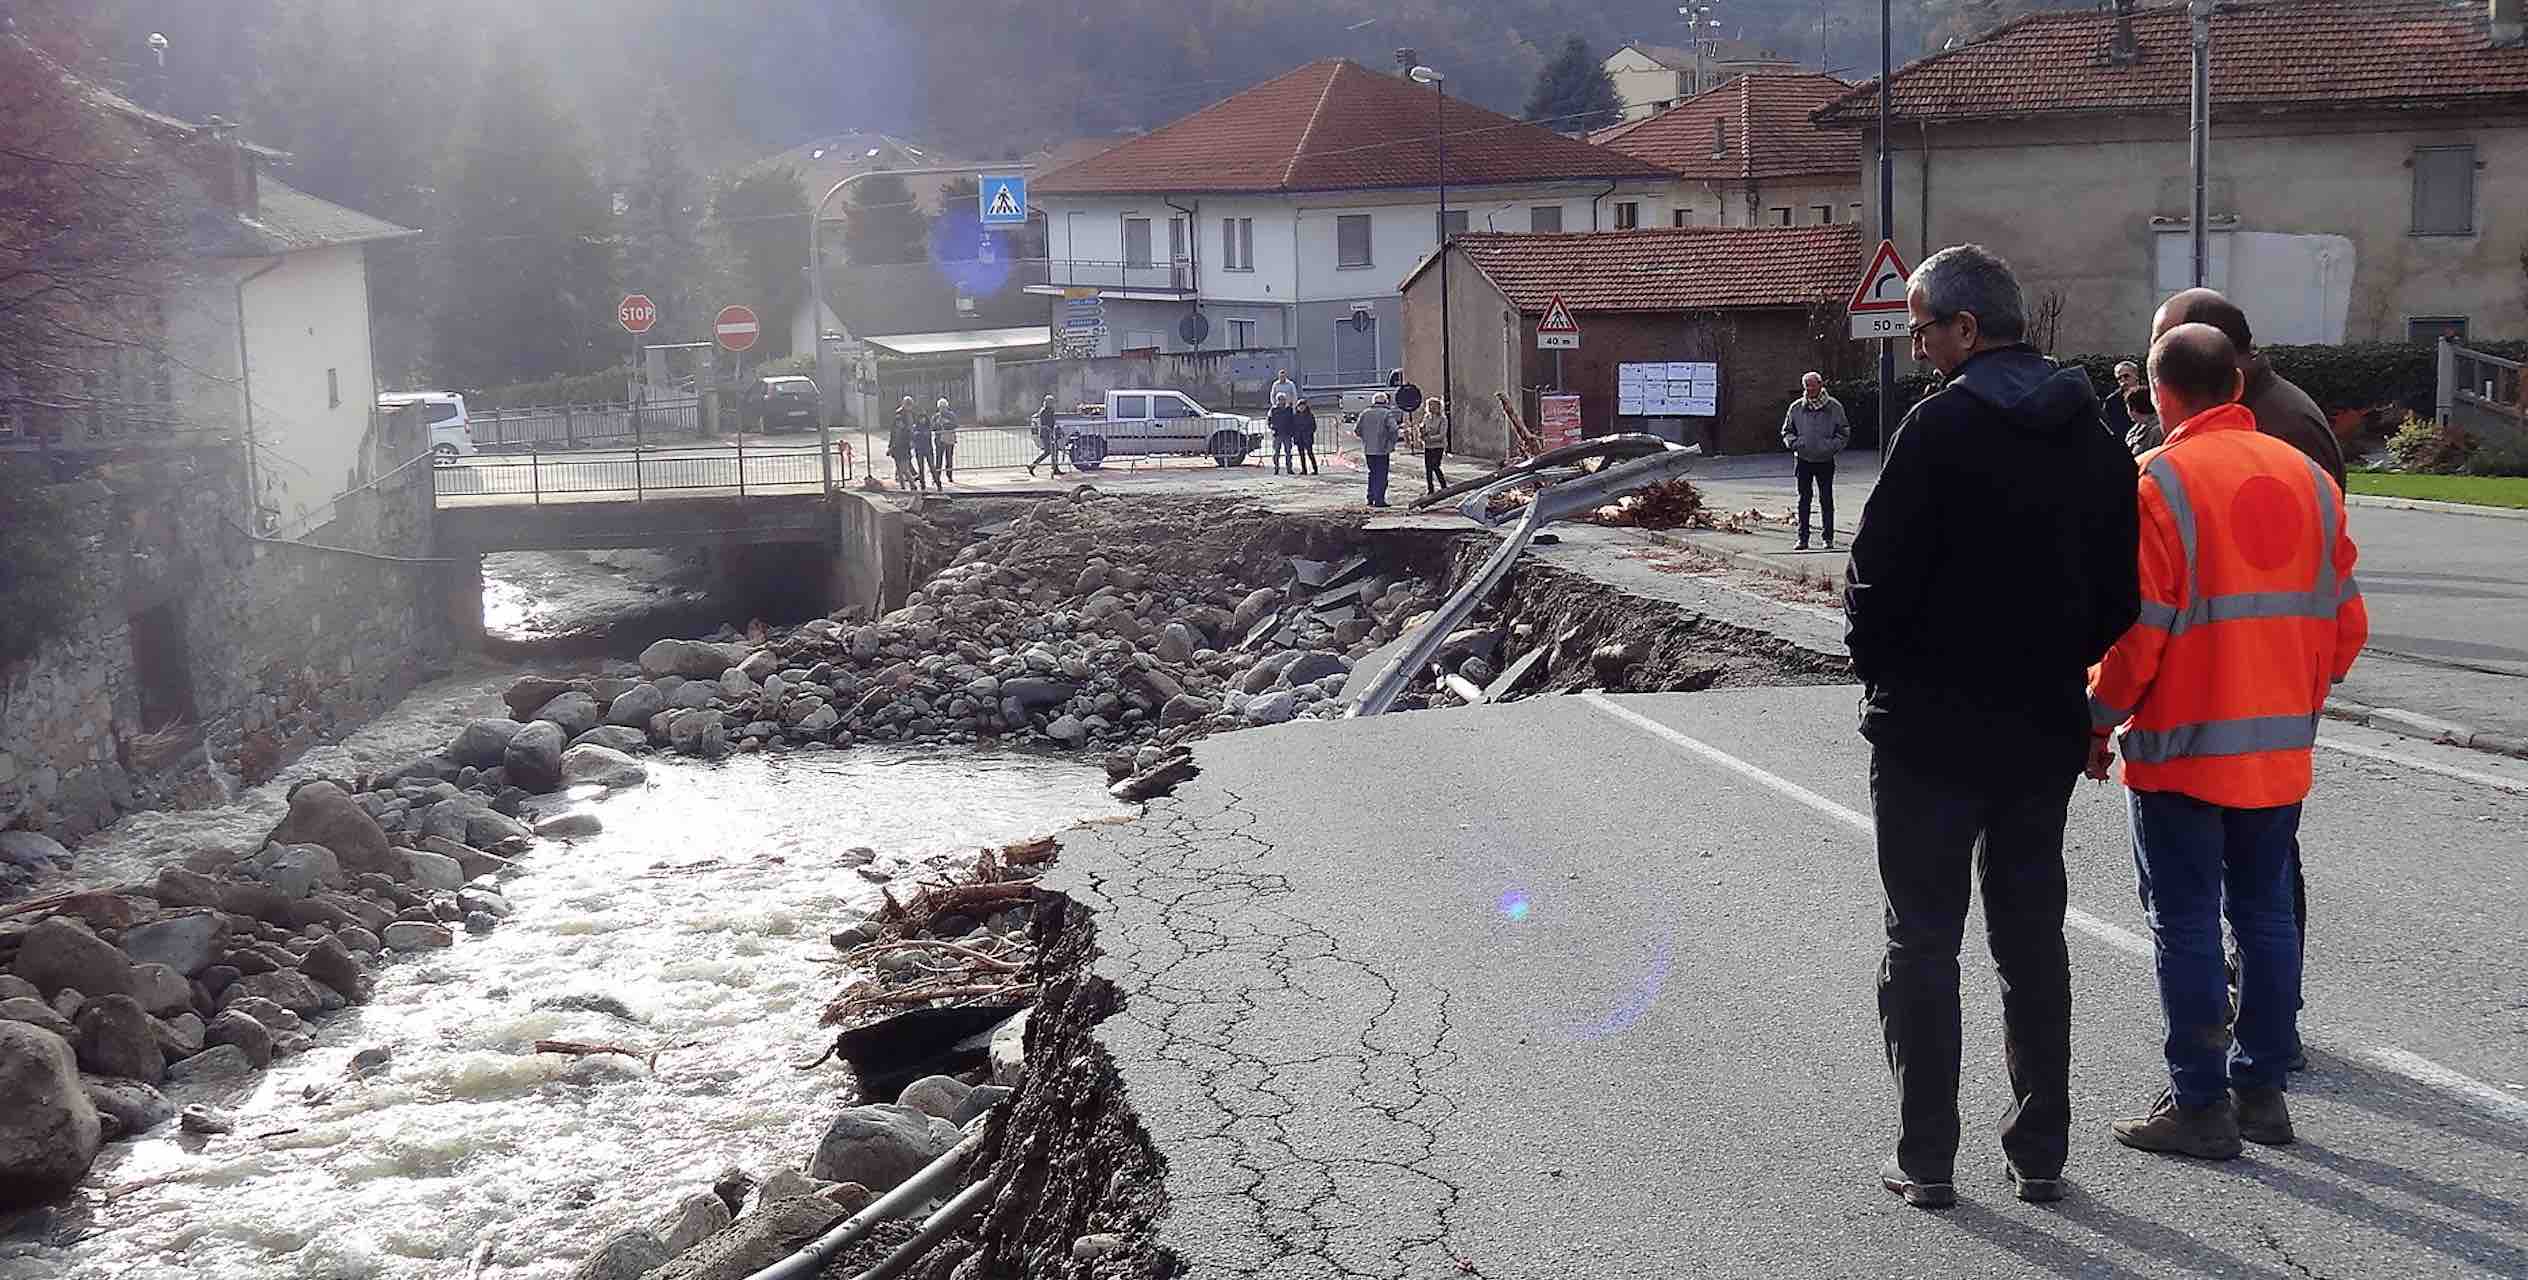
{"x":664,"y":248}
{"x":528,"y":255}
{"x":759,"y":225}
{"x":884,"y":224}
{"x":1574,"y":94}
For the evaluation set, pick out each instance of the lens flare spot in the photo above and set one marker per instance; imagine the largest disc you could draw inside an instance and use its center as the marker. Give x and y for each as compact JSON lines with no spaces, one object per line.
{"x":1514,"y":906}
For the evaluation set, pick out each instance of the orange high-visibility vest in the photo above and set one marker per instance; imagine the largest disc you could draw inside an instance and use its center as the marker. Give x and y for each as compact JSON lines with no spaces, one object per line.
{"x":2249,"y":615}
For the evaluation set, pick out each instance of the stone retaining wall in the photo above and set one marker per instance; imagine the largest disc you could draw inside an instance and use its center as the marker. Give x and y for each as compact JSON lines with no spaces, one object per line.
{"x":197,"y":642}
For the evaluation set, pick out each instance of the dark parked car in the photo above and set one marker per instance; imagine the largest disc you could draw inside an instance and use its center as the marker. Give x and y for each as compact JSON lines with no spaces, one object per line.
{"x":781,"y":404}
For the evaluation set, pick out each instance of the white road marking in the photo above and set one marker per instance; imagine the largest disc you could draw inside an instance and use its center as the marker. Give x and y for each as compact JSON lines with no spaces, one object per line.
{"x":2398,"y":758}
{"x":2413,"y":1066}
{"x":2510,"y":1106}
{"x":2122,"y":939}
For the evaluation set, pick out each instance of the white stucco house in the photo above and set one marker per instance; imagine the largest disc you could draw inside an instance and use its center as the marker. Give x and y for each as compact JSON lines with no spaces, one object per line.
{"x":1652,"y":78}
{"x":1286,"y":216}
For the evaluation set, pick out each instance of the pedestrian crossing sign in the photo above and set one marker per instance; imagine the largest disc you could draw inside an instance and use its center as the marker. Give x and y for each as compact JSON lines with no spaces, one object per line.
{"x":1004,"y":200}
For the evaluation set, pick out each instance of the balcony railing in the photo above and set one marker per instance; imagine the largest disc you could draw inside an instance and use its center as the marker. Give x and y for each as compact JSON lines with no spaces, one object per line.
{"x":1153,"y":277}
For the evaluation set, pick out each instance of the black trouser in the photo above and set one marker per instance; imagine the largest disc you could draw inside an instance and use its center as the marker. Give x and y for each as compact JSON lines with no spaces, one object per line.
{"x":943,"y":458}
{"x":1308,"y":453}
{"x":1820,"y":477}
{"x":1377,"y":479}
{"x":1432,"y":480}
{"x":1050,"y":452}
{"x":1936,"y":834}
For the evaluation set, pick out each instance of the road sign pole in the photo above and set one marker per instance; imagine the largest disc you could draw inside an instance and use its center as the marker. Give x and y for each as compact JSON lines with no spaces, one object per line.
{"x":1886,"y":213}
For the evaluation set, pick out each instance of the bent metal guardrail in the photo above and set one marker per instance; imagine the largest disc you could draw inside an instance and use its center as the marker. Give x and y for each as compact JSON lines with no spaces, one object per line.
{"x":639,"y":474}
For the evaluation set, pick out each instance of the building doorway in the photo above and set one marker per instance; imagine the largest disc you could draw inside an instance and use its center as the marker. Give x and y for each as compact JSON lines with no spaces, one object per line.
{"x":1356,"y":350}
{"x":163,"y":668}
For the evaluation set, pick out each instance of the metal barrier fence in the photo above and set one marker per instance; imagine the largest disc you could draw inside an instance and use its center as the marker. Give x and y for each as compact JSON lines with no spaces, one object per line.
{"x":977,"y":449}
{"x":2485,"y":394}
{"x":568,"y":425}
{"x":637,"y":475}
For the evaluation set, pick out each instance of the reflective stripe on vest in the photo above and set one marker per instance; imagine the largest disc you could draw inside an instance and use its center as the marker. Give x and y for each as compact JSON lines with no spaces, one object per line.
{"x":2220,"y":738}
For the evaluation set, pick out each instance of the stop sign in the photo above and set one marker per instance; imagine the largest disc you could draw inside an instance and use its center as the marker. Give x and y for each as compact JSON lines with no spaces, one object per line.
{"x":636,"y":313}
{"x":736,"y":327}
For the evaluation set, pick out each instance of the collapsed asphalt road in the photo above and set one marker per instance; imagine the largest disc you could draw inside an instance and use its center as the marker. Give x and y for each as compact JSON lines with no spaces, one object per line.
{"x":1582,"y":987}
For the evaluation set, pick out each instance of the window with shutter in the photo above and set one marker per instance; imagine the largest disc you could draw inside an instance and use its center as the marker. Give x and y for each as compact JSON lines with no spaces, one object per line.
{"x":1351,"y":240}
{"x":2444,"y":191}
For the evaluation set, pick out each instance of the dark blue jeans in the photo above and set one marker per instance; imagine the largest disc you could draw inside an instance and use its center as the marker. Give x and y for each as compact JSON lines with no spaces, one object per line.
{"x":2194,"y":859}
{"x":1378,"y":479}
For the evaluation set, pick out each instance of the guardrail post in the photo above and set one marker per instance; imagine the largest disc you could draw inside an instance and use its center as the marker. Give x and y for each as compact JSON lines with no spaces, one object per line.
{"x":535,"y":472}
{"x":741,"y":464}
{"x":640,"y":491}
{"x":2445,"y":369}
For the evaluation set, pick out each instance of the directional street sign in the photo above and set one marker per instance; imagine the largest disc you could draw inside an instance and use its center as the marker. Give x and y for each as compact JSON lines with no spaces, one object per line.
{"x":1004,"y":199}
{"x":1557,"y":331}
{"x":736,"y":328}
{"x":1878,"y":301}
{"x":636,"y":313}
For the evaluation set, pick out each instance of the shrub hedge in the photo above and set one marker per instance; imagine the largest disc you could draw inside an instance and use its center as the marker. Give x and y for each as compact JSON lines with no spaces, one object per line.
{"x":606,"y":386}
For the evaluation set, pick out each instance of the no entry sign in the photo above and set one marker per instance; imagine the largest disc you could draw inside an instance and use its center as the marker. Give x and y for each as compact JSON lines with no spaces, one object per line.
{"x":636,"y":313}
{"x":736,"y":328}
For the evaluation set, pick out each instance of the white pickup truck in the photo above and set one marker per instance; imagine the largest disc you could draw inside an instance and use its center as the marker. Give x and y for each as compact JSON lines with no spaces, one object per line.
{"x":1142,"y":422}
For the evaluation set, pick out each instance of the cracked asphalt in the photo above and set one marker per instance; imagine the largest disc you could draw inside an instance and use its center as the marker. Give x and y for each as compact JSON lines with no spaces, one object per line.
{"x":1530,"y":991}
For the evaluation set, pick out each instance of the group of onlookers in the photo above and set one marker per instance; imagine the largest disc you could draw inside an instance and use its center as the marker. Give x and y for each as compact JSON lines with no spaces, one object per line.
{"x":2026,"y":601}
{"x":924,"y":446}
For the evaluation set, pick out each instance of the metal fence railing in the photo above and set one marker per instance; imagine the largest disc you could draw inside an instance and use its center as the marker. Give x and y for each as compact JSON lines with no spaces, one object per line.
{"x":569,"y":425}
{"x":2483,"y":393}
{"x":637,"y":475}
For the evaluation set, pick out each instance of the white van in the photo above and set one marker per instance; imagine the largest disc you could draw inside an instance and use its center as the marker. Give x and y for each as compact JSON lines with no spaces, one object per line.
{"x":451,"y":430}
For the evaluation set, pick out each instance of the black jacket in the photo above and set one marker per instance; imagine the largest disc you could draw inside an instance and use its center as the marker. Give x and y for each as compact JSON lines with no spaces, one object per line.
{"x":1995,"y":562}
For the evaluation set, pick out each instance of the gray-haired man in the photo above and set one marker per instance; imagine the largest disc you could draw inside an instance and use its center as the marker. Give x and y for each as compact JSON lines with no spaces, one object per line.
{"x":1815,"y":429}
{"x":1994,"y":564}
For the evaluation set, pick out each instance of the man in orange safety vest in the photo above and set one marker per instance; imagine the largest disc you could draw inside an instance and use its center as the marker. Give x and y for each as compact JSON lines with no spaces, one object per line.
{"x":2249,"y":614}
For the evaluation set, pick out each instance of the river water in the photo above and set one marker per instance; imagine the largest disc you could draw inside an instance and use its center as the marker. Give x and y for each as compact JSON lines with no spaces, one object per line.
{"x":703,"y":908}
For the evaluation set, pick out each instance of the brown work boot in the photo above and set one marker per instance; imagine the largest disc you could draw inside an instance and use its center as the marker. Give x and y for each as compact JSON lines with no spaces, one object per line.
{"x":2173,"y":1128}
{"x":2263,"y":1117}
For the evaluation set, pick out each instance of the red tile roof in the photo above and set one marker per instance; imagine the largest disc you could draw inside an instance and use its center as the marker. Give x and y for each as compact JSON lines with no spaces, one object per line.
{"x":1334,"y":126}
{"x":1668,"y":268}
{"x":1768,"y":133}
{"x":2328,"y":55}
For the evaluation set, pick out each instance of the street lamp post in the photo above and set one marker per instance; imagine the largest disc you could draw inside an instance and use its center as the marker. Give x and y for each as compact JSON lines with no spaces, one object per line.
{"x":1448,"y":363}
{"x":830,"y":375}
{"x":2199,"y":139}
{"x":1886,"y":213}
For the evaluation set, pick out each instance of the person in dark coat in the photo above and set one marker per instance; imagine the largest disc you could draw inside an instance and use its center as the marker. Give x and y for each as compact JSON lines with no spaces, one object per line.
{"x":2115,"y":410}
{"x":1048,"y":438}
{"x":901,"y":432}
{"x":1994,"y":565}
{"x":1303,"y":434}
{"x":1284,"y":420}
{"x":925,"y":463}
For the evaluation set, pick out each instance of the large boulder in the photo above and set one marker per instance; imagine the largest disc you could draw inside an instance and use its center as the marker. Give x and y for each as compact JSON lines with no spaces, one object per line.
{"x":1032,"y":692}
{"x":698,"y":1217}
{"x":575,"y":712}
{"x":287,"y":988}
{"x":48,"y":1129}
{"x":60,"y":953}
{"x":32,"y":850}
{"x":880,"y":1146}
{"x":437,"y":870}
{"x":36,"y":1013}
{"x":776,"y":1229}
{"x":633,"y":707}
{"x":1153,"y":689}
{"x":699,"y":733}
{"x":527,"y":693}
{"x":321,"y":813}
{"x":487,"y":827}
{"x":692,"y":659}
{"x":297,"y":870}
{"x":219,"y":1063}
{"x":940,"y":1096}
{"x":602,"y":767}
{"x":115,"y":1039}
{"x":407,"y":935}
{"x":135,"y":1106}
{"x":160,"y":991}
{"x":186,"y":941}
{"x":625,"y":1255}
{"x":1273,"y":708}
{"x":331,"y":963}
{"x":480,"y":742}
{"x":615,"y":737}
{"x":238,"y":1029}
{"x":534,"y":758}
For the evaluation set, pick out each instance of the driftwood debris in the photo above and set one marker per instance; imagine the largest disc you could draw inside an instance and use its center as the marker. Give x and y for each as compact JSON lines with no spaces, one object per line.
{"x":582,"y":1049}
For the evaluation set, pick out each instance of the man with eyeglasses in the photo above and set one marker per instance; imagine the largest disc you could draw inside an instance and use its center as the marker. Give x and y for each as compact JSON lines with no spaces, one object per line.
{"x":1994,"y":564}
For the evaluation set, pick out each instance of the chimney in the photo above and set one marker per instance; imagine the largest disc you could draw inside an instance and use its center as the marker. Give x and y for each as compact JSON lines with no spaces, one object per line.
{"x":225,"y":167}
{"x":2510,"y":28}
{"x":2125,"y":48}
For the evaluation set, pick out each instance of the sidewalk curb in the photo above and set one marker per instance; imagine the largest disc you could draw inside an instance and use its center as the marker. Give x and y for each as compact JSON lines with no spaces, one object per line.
{"x":2437,"y":508}
{"x":2411,"y":724}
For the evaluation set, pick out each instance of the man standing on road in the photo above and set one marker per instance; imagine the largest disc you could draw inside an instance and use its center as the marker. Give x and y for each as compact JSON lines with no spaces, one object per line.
{"x":2114,"y":412}
{"x":1992,"y":566}
{"x":2249,"y":613}
{"x":943,"y":447}
{"x":1815,"y":429}
{"x":2281,"y":409}
{"x":904,"y":437}
{"x":1284,"y":421}
{"x":1377,"y":429}
{"x":1282,"y":389}
{"x":1048,"y":438}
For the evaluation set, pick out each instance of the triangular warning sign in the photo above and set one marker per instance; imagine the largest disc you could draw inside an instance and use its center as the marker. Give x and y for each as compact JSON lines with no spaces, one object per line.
{"x":1882,"y":287}
{"x":1005,"y":203}
{"x":1557,"y":319}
